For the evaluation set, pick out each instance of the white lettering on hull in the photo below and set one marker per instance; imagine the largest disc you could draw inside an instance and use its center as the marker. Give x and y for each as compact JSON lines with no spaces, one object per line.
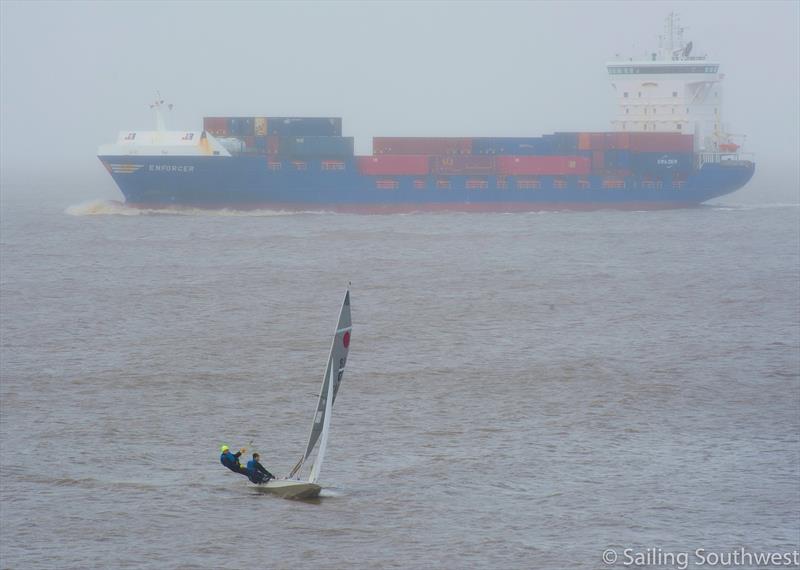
{"x":169,"y":168}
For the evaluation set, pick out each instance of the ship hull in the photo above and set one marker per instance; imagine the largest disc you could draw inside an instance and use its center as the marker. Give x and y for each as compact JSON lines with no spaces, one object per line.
{"x":254,"y":182}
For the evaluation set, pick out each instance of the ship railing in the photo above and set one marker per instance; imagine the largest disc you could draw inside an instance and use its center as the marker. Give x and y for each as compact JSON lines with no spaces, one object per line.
{"x":724,"y":158}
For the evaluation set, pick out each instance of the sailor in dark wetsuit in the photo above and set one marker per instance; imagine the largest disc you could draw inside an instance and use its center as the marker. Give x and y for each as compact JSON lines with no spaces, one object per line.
{"x":231,"y":460}
{"x":257,"y":472}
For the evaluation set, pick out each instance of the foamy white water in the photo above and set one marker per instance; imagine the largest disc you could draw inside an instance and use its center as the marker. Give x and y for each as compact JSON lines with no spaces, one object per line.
{"x":116,"y":208}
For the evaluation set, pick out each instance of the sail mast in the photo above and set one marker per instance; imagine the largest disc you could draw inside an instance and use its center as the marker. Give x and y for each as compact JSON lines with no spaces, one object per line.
{"x":326,"y":427}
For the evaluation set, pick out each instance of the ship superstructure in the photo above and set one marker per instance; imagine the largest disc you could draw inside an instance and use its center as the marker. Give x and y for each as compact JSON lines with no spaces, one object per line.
{"x":673,"y":90}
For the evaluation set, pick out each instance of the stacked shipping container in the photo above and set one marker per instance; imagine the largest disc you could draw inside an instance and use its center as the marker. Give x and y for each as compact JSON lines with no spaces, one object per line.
{"x":314,"y":147}
{"x":304,"y":126}
{"x":286,"y":137}
{"x":510,"y":146}
{"x":421,"y":145}
{"x":544,"y":165}
{"x":394,"y":164}
{"x":604,"y":153}
{"x":637,"y":142}
{"x":615,"y":154}
{"x":281,"y":126}
{"x":463,"y":164}
{"x":640,"y":153}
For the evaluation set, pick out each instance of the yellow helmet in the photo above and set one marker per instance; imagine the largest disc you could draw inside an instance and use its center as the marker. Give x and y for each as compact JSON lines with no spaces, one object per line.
{"x":224,"y":448}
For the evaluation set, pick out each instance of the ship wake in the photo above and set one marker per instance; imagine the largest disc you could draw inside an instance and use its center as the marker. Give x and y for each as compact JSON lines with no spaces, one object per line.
{"x":116,"y":208}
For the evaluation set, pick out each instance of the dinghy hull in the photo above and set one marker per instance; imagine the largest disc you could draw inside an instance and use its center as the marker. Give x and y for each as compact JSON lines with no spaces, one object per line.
{"x":289,"y":489}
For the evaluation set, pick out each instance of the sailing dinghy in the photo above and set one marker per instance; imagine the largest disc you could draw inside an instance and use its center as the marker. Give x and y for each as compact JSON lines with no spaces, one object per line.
{"x":293,"y":486}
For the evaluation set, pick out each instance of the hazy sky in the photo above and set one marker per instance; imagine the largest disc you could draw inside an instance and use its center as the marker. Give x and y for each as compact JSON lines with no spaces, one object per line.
{"x":75,"y":73}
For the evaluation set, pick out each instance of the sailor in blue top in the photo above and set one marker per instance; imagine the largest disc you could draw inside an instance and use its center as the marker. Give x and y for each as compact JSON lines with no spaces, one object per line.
{"x":231,"y":460}
{"x":257,"y":472}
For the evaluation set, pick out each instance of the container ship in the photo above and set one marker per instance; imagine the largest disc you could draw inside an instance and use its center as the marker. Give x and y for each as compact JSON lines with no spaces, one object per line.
{"x":667,"y":149}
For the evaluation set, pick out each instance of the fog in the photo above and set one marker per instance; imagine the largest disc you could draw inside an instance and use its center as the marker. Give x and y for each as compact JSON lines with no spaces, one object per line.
{"x":74,"y":74}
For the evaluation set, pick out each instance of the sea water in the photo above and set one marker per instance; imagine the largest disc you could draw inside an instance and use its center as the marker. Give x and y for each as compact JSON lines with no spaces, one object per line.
{"x":523,"y":390}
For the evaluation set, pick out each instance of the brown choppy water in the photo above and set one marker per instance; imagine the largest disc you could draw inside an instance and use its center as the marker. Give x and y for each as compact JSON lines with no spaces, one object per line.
{"x":523,"y":391}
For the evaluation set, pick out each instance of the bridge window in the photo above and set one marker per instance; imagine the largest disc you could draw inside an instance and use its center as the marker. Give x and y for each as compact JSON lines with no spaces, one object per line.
{"x":660,"y":68}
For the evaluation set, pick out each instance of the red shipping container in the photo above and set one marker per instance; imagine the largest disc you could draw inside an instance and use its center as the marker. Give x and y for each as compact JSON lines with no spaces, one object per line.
{"x":393,"y":164}
{"x":217,"y":126}
{"x":603,"y":141}
{"x":273,"y":144}
{"x":622,"y":141}
{"x":612,"y":141}
{"x":464,"y":164}
{"x":598,"y":141}
{"x":545,"y":165}
{"x":250,"y":143}
{"x":661,"y":142}
{"x":421,"y":145}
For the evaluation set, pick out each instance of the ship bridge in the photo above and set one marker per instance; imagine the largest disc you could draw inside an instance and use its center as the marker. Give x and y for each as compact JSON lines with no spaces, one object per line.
{"x":670,"y":91}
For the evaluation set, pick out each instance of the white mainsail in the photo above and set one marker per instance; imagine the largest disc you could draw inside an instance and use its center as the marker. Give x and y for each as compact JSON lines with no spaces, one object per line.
{"x":326,"y":426}
{"x":330,"y":387}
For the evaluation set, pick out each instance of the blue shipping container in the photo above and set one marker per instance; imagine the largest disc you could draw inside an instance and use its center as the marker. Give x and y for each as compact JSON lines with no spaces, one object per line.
{"x":561,"y":143}
{"x":618,"y":159}
{"x":305,"y":126}
{"x":316,"y":147}
{"x":240,"y":126}
{"x":519,"y":146}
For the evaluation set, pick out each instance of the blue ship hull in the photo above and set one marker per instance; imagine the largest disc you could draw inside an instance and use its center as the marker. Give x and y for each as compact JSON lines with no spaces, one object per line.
{"x":255,"y":182}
